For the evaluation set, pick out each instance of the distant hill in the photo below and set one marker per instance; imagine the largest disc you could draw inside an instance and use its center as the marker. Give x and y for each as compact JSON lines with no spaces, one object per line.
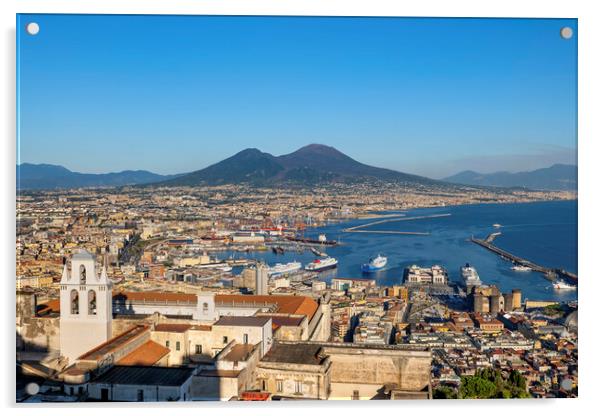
{"x":43,"y":176}
{"x":556,"y":177}
{"x":309,"y":165}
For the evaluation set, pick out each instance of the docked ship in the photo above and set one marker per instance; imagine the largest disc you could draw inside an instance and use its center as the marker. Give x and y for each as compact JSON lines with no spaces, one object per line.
{"x":561,"y":285}
{"x":322,"y":264}
{"x":519,"y":268}
{"x":280,"y":269}
{"x":470,"y":277}
{"x":374,"y":264}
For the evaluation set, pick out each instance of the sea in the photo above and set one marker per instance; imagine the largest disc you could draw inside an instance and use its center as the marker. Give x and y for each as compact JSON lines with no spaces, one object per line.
{"x":542,"y":232}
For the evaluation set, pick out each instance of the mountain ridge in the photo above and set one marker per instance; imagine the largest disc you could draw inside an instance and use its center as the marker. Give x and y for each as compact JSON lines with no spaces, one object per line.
{"x":557,"y":177}
{"x":47,"y":176}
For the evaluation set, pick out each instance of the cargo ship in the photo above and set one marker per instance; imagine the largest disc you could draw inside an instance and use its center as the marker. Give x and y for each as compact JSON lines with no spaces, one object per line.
{"x":321,"y":240}
{"x":322,"y":264}
{"x":280,"y":269}
{"x":374,"y":264}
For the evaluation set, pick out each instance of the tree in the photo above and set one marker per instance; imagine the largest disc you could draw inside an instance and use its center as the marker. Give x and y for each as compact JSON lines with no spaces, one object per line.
{"x":476,"y":387}
{"x":489,"y":383}
{"x":445,"y":392}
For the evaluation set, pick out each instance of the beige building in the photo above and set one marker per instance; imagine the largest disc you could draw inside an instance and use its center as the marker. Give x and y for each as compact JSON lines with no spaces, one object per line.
{"x":342,"y":371}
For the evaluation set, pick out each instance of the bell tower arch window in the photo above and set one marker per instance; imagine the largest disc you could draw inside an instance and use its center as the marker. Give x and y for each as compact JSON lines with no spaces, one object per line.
{"x":91,"y":302}
{"x":74,"y":302}
{"x":82,"y":274}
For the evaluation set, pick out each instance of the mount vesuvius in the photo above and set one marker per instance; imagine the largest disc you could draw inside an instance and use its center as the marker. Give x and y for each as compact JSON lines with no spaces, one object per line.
{"x":310,"y":165}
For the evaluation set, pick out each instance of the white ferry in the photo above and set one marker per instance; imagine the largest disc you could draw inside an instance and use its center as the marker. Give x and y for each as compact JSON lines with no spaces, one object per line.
{"x":562,"y":285}
{"x":322,"y":264}
{"x":519,"y":268}
{"x":280,"y":269}
{"x":374,"y":264}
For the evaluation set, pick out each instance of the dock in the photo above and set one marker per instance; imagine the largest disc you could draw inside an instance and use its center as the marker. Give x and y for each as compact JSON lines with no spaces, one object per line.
{"x":550,"y":273}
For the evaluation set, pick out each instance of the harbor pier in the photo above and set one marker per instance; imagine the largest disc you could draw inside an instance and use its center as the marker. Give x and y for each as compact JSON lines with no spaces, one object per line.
{"x":359,"y":228}
{"x":550,"y":273}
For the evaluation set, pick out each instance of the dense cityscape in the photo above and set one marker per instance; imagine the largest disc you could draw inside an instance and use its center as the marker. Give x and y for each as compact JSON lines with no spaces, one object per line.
{"x":133,"y":294}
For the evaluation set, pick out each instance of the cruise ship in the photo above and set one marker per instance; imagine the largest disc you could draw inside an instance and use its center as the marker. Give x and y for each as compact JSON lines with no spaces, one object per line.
{"x":322,"y":264}
{"x":561,"y":284}
{"x":279,"y":268}
{"x":470,"y":277}
{"x":374,"y":264}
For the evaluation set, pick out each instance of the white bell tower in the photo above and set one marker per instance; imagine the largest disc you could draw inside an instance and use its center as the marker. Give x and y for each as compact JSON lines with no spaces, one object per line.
{"x":86,"y":306}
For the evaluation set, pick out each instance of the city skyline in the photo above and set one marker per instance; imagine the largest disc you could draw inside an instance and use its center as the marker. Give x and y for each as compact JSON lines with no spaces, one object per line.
{"x":426,"y":96}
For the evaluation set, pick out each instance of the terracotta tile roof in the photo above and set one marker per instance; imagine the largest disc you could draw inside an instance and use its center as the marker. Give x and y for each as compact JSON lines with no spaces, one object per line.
{"x":239,"y":352}
{"x":166,"y":297}
{"x":201,"y":327}
{"x":114,"y":343}
{"x":294,"y":305}
{"x":247,"y":321}
{"x":51,"y":306}
{"x":147,"y":354}
{"x":286,"y":320}
{"x":172,"y":327}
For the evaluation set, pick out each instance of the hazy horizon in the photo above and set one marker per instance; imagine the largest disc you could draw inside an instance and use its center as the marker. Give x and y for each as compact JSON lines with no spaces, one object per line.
{"x":427,"y":96}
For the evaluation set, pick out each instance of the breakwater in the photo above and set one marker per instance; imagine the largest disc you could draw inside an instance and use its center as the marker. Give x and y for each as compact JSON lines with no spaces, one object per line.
{"x":550,"y":273}
{"x":360,"y":228}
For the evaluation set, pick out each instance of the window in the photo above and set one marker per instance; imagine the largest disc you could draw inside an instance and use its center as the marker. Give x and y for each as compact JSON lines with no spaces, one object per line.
{"x":198,"y":349}
{"x":205,"y":307}
{"x":177,"y":345}
{"x":91,"y":302}
{"x":167,"y":344}
{"x":356,"y":395}
{"x":74,"y":302}
{"x":298,"y":387}
{"x":82,"y":275}
{"x":225,"y":340}
{"x":245,"y":338}
{"x":279,"y":386}
{"x":140,"y":395}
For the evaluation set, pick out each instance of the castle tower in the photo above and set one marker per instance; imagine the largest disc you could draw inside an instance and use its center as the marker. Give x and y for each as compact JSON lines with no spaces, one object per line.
{"x":516,"y":299}
{"x":86,"y":306}
{"x":261,"y":279}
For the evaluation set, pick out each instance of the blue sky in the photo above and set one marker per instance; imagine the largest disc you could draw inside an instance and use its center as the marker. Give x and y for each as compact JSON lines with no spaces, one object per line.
{"x":174,"y":94}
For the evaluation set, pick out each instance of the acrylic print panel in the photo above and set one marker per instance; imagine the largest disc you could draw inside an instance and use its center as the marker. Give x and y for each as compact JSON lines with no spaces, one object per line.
{"x":280,"y":208}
